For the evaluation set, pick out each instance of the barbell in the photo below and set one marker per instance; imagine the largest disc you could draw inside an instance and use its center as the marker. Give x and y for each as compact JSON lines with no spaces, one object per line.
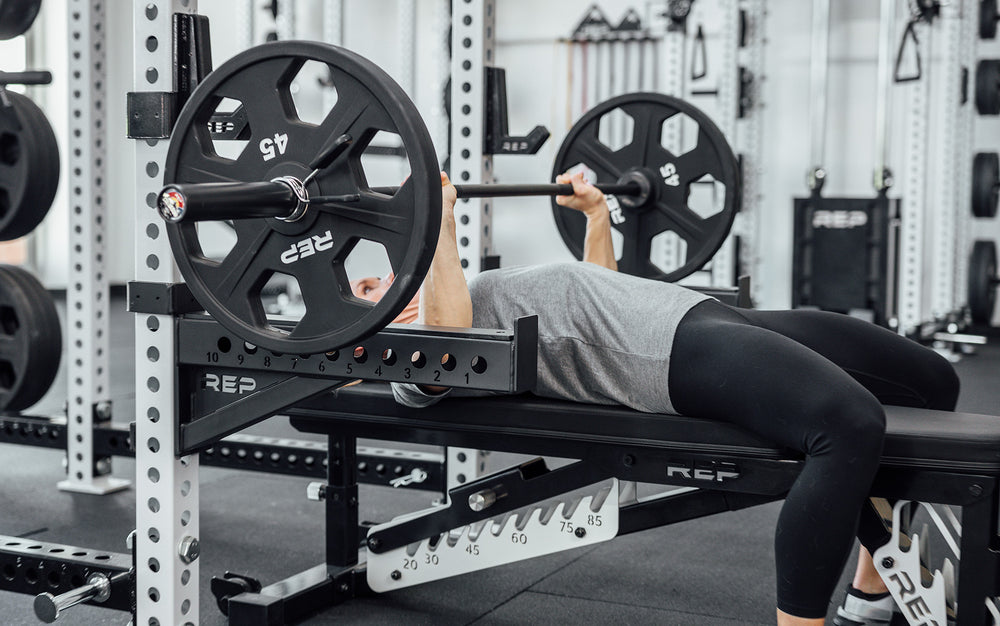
{"x":299,"y":199}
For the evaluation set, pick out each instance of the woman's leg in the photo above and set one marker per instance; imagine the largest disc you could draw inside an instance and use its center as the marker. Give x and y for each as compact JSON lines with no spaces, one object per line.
{"x":896,"y":370}
{"x":726,"y":368}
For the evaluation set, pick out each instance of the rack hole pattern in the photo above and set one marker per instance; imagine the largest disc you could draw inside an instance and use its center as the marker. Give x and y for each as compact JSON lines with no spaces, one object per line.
{"x":167,"y":487}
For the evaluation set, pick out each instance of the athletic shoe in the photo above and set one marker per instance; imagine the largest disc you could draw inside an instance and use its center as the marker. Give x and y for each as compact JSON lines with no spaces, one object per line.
{"x":864,"y":609}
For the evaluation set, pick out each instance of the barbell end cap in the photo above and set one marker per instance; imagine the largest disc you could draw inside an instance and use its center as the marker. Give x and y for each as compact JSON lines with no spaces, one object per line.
{"x":45,"y":608}
{"x":171,"y":205}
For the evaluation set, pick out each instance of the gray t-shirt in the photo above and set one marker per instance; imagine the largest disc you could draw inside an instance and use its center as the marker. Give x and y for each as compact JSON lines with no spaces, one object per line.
{"x":604,"y":337}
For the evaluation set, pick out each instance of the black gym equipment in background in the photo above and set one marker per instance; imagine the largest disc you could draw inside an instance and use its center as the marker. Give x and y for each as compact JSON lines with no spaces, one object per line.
{"x":841,"y":255}
{"x":985,"y":184}
{"x":17,"y":16}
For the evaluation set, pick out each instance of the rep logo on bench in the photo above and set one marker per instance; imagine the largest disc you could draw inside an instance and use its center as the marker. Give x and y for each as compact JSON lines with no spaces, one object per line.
{"x":712,"y":471}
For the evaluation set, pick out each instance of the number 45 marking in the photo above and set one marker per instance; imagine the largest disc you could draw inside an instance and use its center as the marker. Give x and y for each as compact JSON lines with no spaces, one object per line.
{"x":268,"y":145}
{"x":669,"y":173}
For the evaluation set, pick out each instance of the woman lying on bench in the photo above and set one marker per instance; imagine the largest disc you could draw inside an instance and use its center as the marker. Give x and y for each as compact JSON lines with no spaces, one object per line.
{"x":808,"y":380}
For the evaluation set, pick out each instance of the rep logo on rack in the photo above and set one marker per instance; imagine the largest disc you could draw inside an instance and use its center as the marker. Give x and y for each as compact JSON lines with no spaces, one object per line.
{"x":227,"y":383}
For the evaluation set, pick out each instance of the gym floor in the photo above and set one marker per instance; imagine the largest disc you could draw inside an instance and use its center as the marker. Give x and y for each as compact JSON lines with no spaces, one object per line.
{"x":716,"y":570}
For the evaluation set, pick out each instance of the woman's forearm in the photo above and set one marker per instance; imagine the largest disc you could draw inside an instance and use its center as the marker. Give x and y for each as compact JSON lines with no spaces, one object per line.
{"x":598,"y":247}
{"x":444,"y":297}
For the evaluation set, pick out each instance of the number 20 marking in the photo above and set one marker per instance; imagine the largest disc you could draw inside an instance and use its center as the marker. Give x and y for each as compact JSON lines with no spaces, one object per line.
{"x":268,"y":145}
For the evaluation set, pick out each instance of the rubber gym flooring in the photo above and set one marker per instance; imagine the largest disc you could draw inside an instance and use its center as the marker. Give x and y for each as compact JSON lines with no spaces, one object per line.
{"x":716,"y":570}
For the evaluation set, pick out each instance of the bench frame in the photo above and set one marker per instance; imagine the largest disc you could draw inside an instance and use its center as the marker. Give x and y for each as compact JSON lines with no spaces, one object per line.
{"x":757,"y":480}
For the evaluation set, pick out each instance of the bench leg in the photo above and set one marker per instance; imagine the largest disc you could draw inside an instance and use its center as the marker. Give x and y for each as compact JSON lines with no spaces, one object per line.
{"x":977,"y":574}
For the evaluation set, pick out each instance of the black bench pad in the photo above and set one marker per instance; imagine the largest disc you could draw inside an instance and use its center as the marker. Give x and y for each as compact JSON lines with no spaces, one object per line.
{"x":964,"y":442}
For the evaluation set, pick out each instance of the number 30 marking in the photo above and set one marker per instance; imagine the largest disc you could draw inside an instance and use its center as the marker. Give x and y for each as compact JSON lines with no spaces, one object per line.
{"x":268,"y":145}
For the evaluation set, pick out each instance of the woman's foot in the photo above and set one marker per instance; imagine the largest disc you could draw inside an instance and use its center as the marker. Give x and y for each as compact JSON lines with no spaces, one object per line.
{"x":863,"y":609}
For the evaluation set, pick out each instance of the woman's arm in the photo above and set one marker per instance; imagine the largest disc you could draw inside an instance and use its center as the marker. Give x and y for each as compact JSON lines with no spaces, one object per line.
{"x":444,"y":297}
{"x":597,"y":244}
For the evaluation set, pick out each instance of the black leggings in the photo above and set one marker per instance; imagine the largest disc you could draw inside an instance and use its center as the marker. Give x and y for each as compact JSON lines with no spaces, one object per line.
{"x":814,"y":382}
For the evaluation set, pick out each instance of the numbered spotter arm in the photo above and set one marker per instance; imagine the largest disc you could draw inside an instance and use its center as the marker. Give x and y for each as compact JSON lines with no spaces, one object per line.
{"x":236,"y":388}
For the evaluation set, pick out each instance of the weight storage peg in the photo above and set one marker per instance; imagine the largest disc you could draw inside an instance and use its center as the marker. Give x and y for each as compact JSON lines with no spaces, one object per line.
{"x":985,"y":184}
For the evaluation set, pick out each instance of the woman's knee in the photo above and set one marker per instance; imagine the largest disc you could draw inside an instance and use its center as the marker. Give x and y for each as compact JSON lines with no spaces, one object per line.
{"x":941,"y":384}
{"x":853,"y":424}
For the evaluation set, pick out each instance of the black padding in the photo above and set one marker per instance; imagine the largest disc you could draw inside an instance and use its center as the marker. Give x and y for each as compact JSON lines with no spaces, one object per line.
{"x":942,"y":440}
{"x":914,"y":437}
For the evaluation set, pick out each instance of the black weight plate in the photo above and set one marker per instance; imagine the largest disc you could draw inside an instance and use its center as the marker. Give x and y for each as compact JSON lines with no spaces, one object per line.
{"x":16,"y":16}
{"x":672,"y":177}
{"x":29,"y":167}
{"x":982,"y":274}
{"x":988,"y":19}
{"x":47,"y":348}
{"x":406,"y":224}
{"x":985,"y":184}
{"x":44,"y":173}
{"x":988,"y":87}
{"x":30,"y":339}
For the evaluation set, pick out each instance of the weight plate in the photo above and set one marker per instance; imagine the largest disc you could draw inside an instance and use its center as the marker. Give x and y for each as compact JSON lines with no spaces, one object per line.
{"x":29,"y":167}
{"x":30,"y":339}
{"x":988,"y":87}
{"x":985,"y":184}
{"x":692,"y":232}
{"x":47,"y":350}
{"x":988,"y":19}
{"x":16,"y":17}
{"x":982,"y":281}
{"x":314,"y":248}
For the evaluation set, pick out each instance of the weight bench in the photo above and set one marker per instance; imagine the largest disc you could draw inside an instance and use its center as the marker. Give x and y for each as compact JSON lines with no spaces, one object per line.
{"x":930,"y":457}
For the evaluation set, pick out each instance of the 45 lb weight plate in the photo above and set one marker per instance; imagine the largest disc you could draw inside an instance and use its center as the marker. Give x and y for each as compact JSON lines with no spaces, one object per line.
{"x":312,"y":248}
{"x":685,"y":166}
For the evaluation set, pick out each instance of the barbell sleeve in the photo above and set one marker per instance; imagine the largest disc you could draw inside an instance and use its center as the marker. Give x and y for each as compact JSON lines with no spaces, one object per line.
{"x":49,"y":607}
{"x":226,"y":201}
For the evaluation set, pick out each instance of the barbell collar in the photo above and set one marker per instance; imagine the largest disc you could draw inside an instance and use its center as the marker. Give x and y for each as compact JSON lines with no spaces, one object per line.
{"x":199,"y":202}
